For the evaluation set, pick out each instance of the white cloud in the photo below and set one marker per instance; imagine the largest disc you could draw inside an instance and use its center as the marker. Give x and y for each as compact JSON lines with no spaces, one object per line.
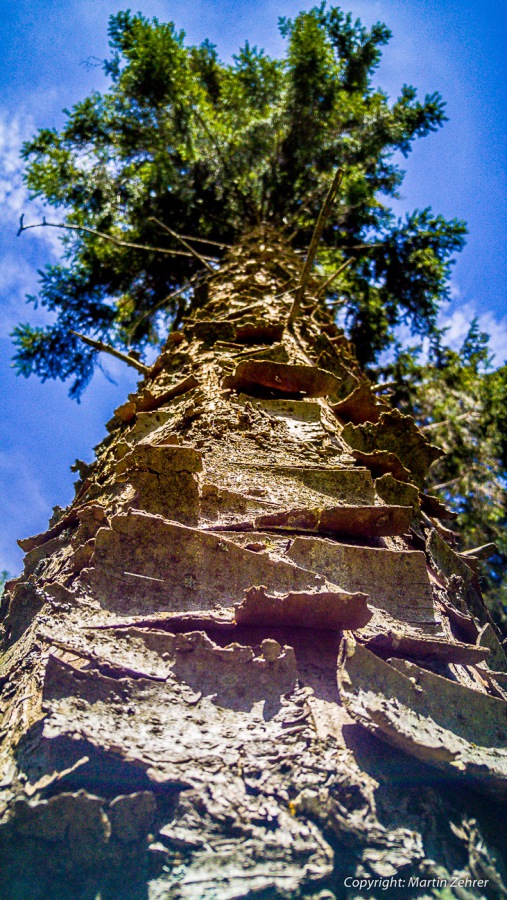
{"x":454,"y":291}
{"x":459,"y":320}
{"x":14,"y":195}
{"x":24,"y":506}
{"x":17,"y":278}
{"x":20,"y":257}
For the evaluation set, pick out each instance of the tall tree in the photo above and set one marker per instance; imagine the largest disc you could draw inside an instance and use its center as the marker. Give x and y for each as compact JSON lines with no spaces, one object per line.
{"x":255,"y":523}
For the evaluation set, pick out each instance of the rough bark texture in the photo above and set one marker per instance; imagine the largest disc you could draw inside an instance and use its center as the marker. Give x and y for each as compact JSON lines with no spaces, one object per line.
{"x":247,"y":660}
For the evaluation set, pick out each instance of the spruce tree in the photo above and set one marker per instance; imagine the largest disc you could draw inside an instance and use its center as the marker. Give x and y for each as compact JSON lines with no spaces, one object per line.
{"x":246,"y":660}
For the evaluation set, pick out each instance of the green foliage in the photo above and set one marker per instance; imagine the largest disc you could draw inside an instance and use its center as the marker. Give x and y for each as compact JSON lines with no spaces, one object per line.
{"x":4,"y":578}
{"x":209,"y":149}
{"x":461,"y":401}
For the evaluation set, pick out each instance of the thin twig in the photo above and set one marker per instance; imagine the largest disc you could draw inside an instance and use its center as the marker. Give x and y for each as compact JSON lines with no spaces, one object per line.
{"x":222,"y":157}
{"x":107,"y":237}
{"x":371,"y":246}
{"x":106,"y":348}
{"x":180,"y":310}
{"x":383,"y":386}
{"x":183,"y":241}
{"x":199,"y":240}
{"x":314,"y":243}
{"x":293,"y":218}
{"x":445,"y":484}
{"x":432,"y":425}
{"x":332,"y":303}
{"x":303,"y":208}
{"x":332,"y":277}
{"x":158,"y":306}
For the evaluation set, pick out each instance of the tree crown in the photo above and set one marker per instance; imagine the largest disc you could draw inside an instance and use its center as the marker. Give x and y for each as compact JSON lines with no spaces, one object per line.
{"x":184,"y":144}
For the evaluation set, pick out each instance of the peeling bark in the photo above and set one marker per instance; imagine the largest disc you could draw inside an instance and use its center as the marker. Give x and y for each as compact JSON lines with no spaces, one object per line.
{"x":246,"y":661}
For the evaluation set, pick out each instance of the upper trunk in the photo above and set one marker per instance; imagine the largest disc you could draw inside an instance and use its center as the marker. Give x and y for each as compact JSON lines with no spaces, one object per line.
{"x":173,"y":725}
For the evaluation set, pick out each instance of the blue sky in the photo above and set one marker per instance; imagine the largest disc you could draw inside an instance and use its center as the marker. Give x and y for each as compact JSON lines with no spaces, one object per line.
{"x":458,"y":47}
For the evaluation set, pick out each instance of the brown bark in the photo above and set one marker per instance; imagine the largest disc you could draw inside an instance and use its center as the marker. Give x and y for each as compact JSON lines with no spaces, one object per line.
{"x":245,"y":661}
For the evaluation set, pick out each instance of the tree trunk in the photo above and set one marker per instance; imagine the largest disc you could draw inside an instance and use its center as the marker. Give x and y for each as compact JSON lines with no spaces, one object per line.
{"x":254,"y":524}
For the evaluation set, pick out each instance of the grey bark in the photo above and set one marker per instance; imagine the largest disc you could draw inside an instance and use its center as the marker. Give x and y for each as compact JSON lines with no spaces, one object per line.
{"x":247,"y":660}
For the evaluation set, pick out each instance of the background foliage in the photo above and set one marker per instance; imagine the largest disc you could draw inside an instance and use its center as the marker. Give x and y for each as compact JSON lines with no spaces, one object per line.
{"x":461,"y":401}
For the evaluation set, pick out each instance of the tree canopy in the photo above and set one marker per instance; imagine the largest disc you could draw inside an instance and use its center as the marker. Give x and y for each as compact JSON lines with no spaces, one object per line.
{"x":184,"y":152}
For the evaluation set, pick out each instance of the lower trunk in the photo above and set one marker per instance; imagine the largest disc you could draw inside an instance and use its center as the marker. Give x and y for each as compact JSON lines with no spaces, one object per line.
{"x":247,"y":660}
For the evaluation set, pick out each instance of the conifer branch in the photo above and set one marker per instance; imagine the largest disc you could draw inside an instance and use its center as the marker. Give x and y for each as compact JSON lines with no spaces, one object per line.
{"x":107,"y":237}
{"x":178,"y":237}
{"x":314,"y":243}
{"x":106,"y":348}
{"x":222,"y":157}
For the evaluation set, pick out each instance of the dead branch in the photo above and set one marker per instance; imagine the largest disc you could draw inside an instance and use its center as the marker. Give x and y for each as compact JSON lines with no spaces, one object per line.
{"x":445,"y":484}
{"x":182,"y":241}
{"x":485,"y":551}
{"x":198,"y":240}
{"x":332,"y":303}
{"x":432,"y":425}
{"x":158,"y":306}
{"x":107,"y":237}
{"x":384,"y":386}
{"x":106,"y":348}
{"x":333,"y":277}
{"x":314,"y":243}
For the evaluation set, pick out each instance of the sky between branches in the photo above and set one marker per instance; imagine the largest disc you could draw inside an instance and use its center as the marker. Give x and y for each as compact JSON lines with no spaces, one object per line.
{"x":51,"y":58}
